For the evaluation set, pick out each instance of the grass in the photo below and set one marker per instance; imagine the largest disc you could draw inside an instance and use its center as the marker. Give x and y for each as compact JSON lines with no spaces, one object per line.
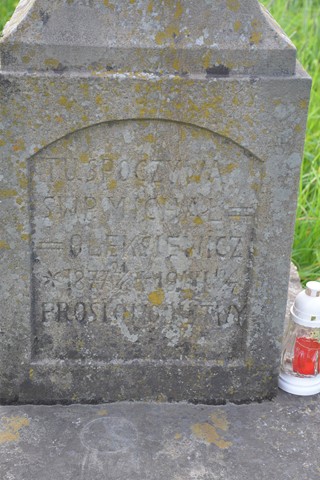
{"x":6,"y":9}
{"x":301,"y":21}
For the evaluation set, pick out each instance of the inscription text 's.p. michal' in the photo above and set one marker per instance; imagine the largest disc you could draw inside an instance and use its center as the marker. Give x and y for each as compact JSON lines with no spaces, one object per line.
{"x":142,"y":237}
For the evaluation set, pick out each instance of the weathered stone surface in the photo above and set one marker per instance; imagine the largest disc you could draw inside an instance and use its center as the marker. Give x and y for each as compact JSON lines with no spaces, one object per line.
{"x":293,"y":290}
{"x":144,"y":233}
{"x":143,"y":441}
{"x":157,"y":36}
{"x":147,"y":216}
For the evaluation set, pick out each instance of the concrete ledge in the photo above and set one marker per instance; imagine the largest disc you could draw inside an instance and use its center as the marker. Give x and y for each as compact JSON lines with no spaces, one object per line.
{"x":139,"y":441}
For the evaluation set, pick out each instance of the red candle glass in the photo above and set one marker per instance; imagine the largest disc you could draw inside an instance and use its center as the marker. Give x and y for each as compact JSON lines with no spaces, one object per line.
{"x":306,"y":360}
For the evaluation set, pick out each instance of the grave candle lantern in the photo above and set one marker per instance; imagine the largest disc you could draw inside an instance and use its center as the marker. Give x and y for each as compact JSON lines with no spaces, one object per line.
{"x":300,"y":360}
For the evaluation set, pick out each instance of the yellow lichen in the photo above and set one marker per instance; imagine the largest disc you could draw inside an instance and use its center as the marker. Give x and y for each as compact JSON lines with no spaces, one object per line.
{"x":162,"y":200}
{"x":108,"y":4}
{"x":149,"y":138}
{"x":206,"y":60}
{"x":228,"y":168}
{"x":19,"y":146}
{"x":79,"y":345}
{"x":303,"y":103}
{"x":219,"y":420}
{"x":208,"y":433}
{"x":26,"y":59}
{"x":112,"y":184}
{"x":102,"y":412}
{"x":85,"y":88}
{"x":197,"y":220}
{"x":233,"y":5}
{"x":187,"y":293}
{"x":108,"y":165}
{"x":176,"y":64}
{"x":169,"y":33}
{"x":150,"y":111}
{"x":255,"y":37}
{"x":8,"y":193}
{"x":183,"y":134}
{"x":194,"y":178}
{"x":84,"y":157}
{"x":249,"y":363}
{"x":58,"y":186}
{"x":4,"y":245}
{"x":11,"y":427}
{"x":179,"y":11}
{"x":178,"y":105}
{"x":237,"y":25}
{"x":52,"y":63}
{"x":235,"y":101}
{"x":91,"y":202}
{"x":161,"y":398}
{"x":156,"y":297}
{"x":23,"y":181}
{"x":99,"y":100}
{"x":63,"y":101}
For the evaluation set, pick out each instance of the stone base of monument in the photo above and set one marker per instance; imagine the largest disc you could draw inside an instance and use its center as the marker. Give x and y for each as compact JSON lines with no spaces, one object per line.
{"x":161,"y":441}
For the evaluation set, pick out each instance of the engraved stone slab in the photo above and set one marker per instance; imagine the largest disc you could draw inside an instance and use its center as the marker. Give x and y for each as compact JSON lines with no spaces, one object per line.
{"x":142,"y":239}
{"x":148,"y":187}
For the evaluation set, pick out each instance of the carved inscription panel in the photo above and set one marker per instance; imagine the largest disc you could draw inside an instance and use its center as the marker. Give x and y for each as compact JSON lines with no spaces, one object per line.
{"x":142,"y":238}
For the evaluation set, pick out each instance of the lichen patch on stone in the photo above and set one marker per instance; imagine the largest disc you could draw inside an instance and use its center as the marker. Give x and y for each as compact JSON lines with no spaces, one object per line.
{"x":10,"y":429}
{"x":156,"y":297}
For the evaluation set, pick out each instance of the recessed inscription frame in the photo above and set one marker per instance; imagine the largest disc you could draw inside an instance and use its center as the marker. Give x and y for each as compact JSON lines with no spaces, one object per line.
{"x":56,"y":379}
{"x":142,"y":246}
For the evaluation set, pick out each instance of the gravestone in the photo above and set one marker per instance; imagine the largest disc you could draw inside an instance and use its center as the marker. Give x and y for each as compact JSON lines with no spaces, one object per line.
{"x":150,"y":155}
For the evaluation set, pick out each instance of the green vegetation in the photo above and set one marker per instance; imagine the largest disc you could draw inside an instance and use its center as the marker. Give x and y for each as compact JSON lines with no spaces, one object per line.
{"x":6,"y":9}
{"x":301,"y":21}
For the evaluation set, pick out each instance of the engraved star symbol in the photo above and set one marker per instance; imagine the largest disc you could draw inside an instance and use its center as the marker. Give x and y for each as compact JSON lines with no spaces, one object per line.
{"x":49,"y":279}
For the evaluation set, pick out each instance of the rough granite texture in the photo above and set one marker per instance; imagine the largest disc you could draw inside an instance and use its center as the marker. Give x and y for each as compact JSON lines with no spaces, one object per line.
{"x":149,"y":167}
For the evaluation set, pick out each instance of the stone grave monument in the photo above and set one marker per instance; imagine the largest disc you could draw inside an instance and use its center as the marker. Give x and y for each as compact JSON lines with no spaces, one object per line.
{"x":150,"y":155}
